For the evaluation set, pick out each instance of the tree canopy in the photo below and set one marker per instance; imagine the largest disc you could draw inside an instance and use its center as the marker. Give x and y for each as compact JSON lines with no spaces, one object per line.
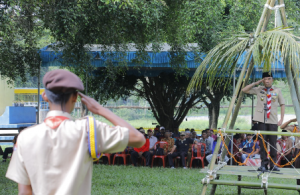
{"x":74,"y":25}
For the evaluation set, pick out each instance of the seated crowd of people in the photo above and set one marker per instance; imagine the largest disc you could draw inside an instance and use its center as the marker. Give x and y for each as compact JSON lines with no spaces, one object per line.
{"x":183,"y":145}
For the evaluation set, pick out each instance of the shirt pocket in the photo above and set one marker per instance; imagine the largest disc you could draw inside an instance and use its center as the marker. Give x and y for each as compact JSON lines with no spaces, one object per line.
{"x":274,"y":97}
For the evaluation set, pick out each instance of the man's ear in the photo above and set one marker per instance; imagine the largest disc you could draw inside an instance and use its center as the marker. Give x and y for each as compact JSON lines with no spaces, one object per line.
{"x":44,"y":96}
{"x":74,"y":97}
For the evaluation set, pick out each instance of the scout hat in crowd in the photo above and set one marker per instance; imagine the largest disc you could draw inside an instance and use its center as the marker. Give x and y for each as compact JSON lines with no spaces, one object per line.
{"x":182,"y":133}
{"x":57,"y":79}
{"x":267,"y":74}
{"x":142,"y":130}
{"x":149,"y":130}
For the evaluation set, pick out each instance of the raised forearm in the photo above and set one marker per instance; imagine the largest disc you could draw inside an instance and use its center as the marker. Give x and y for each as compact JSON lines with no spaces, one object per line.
{"x":248,"y":87}
{"x":136,"y":139}
{"x":284,"y":125}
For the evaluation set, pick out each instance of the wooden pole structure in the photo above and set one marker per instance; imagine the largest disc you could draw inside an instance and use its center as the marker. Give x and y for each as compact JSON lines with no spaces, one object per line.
{"x":217,"y":147}
{"x":292,"y":81}
{"x":261,"y":19}
{"x":295,"y":80}
{"x":259,"y":26}
{"x":268,"y":15}
{"x":238,"y":105}
{"x":241,"y":96}
{"x":261,"y":132}
{"x":295,"y":100}
{"x":294,"y":93}
{"x":283,"y":16}
{"x":253,"y":184}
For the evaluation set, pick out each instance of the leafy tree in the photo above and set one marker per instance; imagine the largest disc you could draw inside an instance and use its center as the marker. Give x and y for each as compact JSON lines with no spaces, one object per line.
{"x":115,"y":25}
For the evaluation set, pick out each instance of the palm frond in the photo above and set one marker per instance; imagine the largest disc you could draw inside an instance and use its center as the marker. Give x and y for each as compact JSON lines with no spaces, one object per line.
{"x":268,"y":48}
{"x":282,"y":45}
{"x":220,"y":61}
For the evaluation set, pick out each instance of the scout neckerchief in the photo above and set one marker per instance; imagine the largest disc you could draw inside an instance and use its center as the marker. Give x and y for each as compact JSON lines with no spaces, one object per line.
{"x":54,"y":121}
{"x":269,"y":100}
{"x":283,"y":146}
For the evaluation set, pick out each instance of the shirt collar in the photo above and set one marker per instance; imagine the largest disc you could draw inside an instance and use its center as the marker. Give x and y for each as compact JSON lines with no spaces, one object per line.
{"x":59,"y":113}
{"x":271,"y":88}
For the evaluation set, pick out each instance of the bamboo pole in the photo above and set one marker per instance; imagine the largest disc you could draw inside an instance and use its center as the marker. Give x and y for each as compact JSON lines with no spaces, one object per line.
{"x":295,"y":100}
{"x":295,"y":80}
{"x":229,"y":111}
{"x":268,"y":15}
{"x":238,"y":105}
{"x":214,"y":157}
{"x":261,"y":19}
{"x":255,"y":184}
{"x":262,"y":132}
{"x":212,"y":163}
{"x":238,"y":85}
{"x":283,"y":16}
{"x":213,"y":190}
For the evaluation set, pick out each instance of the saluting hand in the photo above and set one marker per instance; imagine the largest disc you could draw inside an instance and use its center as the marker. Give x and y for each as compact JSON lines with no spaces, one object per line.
{"x":91,"y":104}
{"x":258,"y":82}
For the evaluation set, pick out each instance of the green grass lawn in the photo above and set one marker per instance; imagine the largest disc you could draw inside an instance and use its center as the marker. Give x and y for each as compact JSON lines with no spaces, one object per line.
{"x":142,"y":180}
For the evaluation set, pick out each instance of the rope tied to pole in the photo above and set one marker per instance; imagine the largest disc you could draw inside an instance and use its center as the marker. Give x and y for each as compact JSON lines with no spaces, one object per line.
{"x":232,"y":155}
{"x":275,"y":7}
{"x":253,"y":149}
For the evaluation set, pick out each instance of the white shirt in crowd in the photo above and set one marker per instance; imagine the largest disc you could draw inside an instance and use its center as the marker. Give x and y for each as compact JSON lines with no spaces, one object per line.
{"x":211,"y":141}
{"x":152,"y":141}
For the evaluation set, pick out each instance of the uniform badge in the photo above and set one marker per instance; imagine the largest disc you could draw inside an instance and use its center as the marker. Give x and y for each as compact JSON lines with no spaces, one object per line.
{"x":261,"y":98}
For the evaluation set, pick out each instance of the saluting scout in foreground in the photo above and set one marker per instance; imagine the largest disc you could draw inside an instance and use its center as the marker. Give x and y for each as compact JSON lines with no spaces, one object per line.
{"x":272,"y":97}
{"x":53,"y":157}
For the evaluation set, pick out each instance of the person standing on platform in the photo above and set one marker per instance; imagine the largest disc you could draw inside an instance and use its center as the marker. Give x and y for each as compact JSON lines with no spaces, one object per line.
{"x":272,"y":97}
{"x":53,"y":157}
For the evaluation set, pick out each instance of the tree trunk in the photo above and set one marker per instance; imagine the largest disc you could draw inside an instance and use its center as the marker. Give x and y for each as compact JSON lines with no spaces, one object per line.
{"x":210,"y":114}
{"x":215,"y":114}
{"x":166,"y":96}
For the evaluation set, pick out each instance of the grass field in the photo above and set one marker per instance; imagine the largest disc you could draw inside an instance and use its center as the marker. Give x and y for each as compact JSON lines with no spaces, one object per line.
{"x":196,"y":124}
{"x":142,"y":180}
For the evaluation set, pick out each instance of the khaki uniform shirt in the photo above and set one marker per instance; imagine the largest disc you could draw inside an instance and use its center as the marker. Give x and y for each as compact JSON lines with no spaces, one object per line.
{"x":57,"y":161}
{"x":288,"y":145}
{"x":277,"y":99}
{"x":297,"y":139}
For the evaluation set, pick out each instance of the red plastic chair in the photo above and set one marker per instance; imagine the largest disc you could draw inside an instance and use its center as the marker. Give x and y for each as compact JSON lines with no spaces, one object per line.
{"x":122,"y":155}
{"x":200,"y":155}
{"x":164,"y":145}
{"x":108,"y":157}
{"x":142,"y":160}
{"x":178,"y":158}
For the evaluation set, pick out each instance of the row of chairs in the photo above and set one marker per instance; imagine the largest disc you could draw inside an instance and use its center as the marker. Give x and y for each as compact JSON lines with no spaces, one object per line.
{"x":164,"y":145}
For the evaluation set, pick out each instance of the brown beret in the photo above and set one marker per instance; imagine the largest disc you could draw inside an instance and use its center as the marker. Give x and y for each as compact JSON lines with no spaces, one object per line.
{"x":62,"y":79}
